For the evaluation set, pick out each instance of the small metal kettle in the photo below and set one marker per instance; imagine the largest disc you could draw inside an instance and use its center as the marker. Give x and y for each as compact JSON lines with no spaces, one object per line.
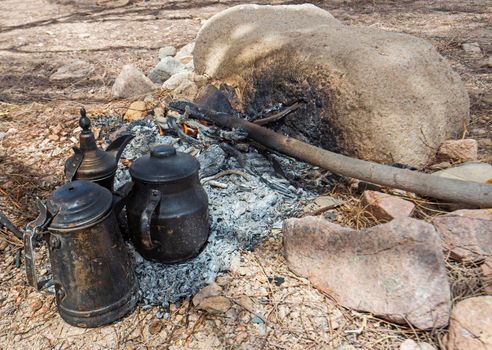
{"x":167,"y":208}
{"x":92,"y":271}
{"x":92,"y":163}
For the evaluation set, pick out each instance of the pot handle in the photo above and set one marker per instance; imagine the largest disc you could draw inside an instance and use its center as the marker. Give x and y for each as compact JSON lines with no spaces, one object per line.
{"x":120,"y":197}
{"x":74,"y":165}
{"x":146,"y":218}
{"x":33,"y":230}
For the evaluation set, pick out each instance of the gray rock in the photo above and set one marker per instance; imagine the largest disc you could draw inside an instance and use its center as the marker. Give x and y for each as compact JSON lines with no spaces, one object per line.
{"x":131,"y":82}
{"x":473,"y":48}
{"x":190,"y":65}
{"x":469,"y":171}
{"x":466,"y":234}
{"x":75,"y":70}
{"x":167,"y":67}
{"x":167,"y":51}
{"x":392,"y":97}
{"x":395,"y":270}
{"x":470,"y":327}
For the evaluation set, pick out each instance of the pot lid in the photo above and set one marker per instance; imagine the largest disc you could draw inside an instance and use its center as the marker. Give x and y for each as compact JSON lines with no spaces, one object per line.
{"x":164,"y":164}
{"x":96,"y":163}
{"x":78,"y":203}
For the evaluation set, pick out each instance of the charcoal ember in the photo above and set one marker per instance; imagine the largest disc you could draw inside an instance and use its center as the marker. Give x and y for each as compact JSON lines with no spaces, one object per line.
{"x":302,"y":174}
{"x":258,"y":163}
{"x":211,"y":161}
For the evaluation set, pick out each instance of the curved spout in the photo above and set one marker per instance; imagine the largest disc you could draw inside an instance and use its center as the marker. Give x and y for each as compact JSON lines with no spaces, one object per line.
{"x":117,"y":146}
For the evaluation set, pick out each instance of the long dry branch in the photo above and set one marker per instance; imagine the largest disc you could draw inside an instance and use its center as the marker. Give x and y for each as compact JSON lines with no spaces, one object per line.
{"x":449,"y":190}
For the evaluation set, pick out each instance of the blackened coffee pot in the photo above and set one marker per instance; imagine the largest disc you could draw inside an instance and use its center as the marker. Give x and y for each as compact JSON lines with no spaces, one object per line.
{"x":92,"y":163}
{"x":167,"y":208}
{"x":92,"y":271}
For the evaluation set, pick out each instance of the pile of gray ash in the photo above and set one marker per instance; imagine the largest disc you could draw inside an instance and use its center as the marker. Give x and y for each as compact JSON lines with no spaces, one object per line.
{"x":249,"y":195}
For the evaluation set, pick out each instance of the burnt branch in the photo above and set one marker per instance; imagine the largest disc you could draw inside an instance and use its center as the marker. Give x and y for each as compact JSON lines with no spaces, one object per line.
{"x":450,"y":190}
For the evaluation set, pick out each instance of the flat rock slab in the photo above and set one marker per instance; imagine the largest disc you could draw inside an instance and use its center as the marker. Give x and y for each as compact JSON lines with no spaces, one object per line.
{"x":395,"y":270}
{"x":75,"y":70}
{"x":470,"y":326}
{"x":469,"y":171}
{"x":466,"y":234}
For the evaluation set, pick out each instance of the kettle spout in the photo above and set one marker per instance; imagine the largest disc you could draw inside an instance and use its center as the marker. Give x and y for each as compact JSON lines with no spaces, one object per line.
{"x":117,"y":146}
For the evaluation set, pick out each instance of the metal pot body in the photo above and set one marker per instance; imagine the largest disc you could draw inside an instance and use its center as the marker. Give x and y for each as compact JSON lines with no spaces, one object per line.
{"x":93,"y":274}
{"x":92,"y":271}
{"x":168,"y":222}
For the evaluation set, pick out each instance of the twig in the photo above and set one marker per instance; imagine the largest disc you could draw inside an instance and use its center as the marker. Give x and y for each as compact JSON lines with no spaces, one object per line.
{"x":279,"y":115}
{"x":225,"y":172}
{"x":323,"y":209}
{"x":217,"y":184}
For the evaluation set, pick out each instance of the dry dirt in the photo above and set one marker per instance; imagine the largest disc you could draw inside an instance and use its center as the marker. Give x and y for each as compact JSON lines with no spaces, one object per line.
{"x":38,"y":117}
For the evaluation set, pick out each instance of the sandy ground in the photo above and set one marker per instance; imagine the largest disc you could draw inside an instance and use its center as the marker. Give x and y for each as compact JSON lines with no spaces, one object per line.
{"x":37,"y":37}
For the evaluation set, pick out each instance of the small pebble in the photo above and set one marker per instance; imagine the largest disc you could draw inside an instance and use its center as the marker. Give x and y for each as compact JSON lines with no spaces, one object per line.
{"x":255,"y":319}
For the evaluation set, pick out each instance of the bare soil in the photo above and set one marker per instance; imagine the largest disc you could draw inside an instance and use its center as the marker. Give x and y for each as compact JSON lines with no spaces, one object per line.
{"x":39,"y":119}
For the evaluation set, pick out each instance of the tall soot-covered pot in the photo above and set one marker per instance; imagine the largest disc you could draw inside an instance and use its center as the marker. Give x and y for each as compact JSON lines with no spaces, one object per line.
{"x":92,"y":271}
{"x":167,"y":207}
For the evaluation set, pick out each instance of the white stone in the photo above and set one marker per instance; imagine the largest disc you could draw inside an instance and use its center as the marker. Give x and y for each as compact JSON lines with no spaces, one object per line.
{"x":166,"y":51}
{"x":176,"y":80}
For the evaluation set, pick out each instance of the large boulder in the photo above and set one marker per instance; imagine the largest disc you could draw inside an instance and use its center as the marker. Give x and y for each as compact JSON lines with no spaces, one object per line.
{"x":394,"y":270}
{"x":377,"y":95}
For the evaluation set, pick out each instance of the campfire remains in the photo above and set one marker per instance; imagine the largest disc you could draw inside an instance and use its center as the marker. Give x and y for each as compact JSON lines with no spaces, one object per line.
{"x":246,"y":200}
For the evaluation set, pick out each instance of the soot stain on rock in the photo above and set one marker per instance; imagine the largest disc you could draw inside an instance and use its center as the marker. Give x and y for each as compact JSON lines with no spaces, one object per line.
{"x":274,"y":83}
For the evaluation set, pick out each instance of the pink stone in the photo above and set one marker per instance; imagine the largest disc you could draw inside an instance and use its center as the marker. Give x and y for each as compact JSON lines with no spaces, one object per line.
{"x":386,"y":207}
{"x":486,"y":272}
{"x":470,"y":326}
{"x":466,"y":234}
{"x":458,"y":150}
{"x":394,"y":270}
